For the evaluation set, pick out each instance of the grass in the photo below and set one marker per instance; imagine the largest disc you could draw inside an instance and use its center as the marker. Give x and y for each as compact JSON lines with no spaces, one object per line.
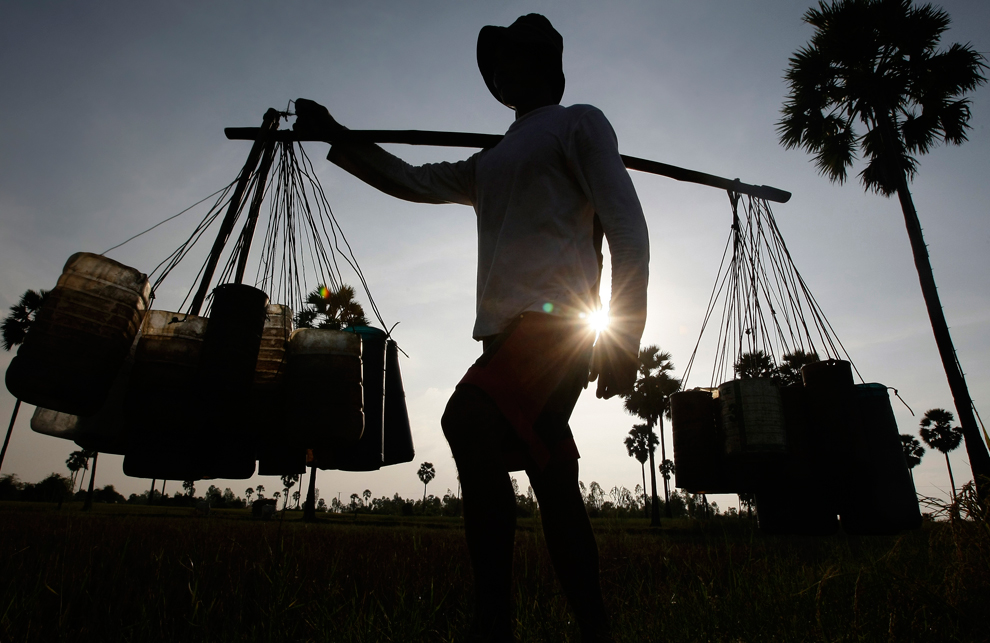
{"x":152,"y":574}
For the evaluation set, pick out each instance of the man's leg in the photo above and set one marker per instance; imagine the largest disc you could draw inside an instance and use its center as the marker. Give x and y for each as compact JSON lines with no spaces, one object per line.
{"x":572,"y":546}
{"x":475,"y":429}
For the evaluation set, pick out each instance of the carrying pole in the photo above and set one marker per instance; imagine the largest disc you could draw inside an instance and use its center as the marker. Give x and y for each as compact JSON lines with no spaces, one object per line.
{"x":262,"y":135}
{"x":466,"y":139}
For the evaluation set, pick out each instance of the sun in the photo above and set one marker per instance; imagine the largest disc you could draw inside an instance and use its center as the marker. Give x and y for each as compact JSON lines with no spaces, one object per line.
{"x":598,"y":320}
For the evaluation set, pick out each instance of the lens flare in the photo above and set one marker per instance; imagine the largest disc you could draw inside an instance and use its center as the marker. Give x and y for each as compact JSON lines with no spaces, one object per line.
{"x":598,"y":320}
{"x":324,"y":292}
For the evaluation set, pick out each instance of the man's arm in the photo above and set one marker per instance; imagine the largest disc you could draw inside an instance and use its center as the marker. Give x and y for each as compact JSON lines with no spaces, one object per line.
{"x":609,"y":188}
{"x":429,"y":183}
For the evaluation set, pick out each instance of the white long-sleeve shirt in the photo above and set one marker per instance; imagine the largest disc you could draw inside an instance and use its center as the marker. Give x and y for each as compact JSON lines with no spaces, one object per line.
{"x":535,"y":195}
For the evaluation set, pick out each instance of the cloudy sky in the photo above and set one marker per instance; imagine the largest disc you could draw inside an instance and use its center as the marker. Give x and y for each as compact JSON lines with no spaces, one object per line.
{"x":113,"y":117}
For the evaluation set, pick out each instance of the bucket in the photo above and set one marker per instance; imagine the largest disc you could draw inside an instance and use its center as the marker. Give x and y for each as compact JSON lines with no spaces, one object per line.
{"x":699,"y":454}
{"x":323,"y":390}
{"x":162,"y":398}
{"x":80,"y":337}
{"x":801,"y":501}
{"x":366,"y":453}
{"x":832,"y":414}
{"x":106,"y":431}
{"x":398,"y":442}
{"x":885,"y":501}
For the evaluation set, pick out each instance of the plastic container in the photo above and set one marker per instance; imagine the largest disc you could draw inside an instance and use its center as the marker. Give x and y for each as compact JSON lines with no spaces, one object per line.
{"x":699,"y":453}
{"x":81,"y":336}
{"x":269,"y":369}
{"x":233,"y":339}
{"x":832,"y":412}
{"x":323,"y":389}
{"x":398,"y":435}
{"x":367,"y":453}
{"x":885,"y":501}
{"x":752,"y":418}
{"x":106,"y":431}
{"x":801,"y":500}
{"x":162,"y":398}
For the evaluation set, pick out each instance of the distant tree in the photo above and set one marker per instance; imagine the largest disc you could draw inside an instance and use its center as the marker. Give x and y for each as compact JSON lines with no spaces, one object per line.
{"x":10,"y":486}
{"x":288,"y":481}
{"x":789,"y":369}
{"x":214,"y":496}
{"x":755,"y":365}
{"x":747,"y":499}
{"x":426,"y":473}
{"x":77,"y":461}
{"x":640,"y":443}
{"x":189,"y":486}
{"x":248,"y":493}
{"x":875,"y":65}
{"x":229,"y":499}
{"x":277,"y":495}
{"x":650,"y":400}
{"x":295,"y":497}
{"x":331,"y":309}
{"x":260,"y":490}
{"x":938,"y":433}
{"x":913,"y":451}
{"x":15,"y":325}
{"x":666,"y":470}
{"x":321,"y":505}
{"x":366,"y":494}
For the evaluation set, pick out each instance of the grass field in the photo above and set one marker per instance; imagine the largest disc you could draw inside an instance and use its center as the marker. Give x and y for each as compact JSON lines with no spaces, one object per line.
{"x":124,"y":573}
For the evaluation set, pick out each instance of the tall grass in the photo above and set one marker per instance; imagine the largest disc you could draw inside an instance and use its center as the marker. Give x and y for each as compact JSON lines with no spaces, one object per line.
{"x":124,"y":575}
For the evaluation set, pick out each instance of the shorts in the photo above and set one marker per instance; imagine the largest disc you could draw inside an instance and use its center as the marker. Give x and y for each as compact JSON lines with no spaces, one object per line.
{"x":534,"y":372}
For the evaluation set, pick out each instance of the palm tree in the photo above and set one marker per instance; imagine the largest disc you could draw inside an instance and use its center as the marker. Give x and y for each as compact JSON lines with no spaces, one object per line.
{"x":76,"y":462}
{"x":875,"y":63}
{"x":650,"y":400}
{"x":260,"y":490}
{"x":288,"y":481}
{"x":22,"y":314}
{"x":912,"y":452}
{"x":938,"y":433}
{"x":789,"y":369}
{"x":14,"y":329}
{"x":641,"y":443}
{"x":331,"y":309}
{"x":426,"y":473}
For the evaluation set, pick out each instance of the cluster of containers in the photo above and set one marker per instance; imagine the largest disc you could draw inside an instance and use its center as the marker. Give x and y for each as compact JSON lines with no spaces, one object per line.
{"x":814,"y":454}
{"x":184,"y":397}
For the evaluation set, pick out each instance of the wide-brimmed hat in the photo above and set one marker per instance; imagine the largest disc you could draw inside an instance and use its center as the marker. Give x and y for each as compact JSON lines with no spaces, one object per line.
{"x":531,"y":29}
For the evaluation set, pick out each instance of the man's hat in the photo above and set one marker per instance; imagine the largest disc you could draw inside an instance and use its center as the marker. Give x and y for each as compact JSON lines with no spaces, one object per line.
{"x":531,"y":29}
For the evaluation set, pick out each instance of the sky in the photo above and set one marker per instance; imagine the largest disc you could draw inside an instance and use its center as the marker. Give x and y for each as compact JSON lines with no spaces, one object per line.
{"x":113,"y":117}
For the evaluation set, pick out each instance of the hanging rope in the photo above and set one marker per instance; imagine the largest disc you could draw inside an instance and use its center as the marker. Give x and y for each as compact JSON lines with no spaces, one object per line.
{"x":766,"y":306}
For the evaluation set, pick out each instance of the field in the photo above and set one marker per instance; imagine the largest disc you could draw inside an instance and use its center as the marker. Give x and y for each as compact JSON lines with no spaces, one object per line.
{"x":124,"y":573}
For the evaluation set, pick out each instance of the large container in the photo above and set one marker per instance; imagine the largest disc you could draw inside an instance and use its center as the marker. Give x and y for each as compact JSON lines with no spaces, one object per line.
{"x":81,"y":336}
{"x":269,"y":369}
{"x":832,"y":412}
{"x":106,"y":431}
{"x":367,"y":453}
{"x":885,"y":500}
{"x":323,"y":389}
{"x":752,"y":418}
{"x":398,"y":435}
{"x":163,"y":399}
{"x":699,"y":453}
{"x":801,"y":501}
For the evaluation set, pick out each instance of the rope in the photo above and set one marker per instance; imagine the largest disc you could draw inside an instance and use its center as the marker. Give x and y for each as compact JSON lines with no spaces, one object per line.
{"x":766,"y":305}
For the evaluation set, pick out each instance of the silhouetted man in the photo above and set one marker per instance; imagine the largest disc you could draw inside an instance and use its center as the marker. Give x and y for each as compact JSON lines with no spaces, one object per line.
{"x":540,"y":196}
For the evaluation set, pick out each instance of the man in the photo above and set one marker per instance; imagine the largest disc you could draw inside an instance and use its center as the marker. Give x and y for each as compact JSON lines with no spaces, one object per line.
{"x":540,"y":196}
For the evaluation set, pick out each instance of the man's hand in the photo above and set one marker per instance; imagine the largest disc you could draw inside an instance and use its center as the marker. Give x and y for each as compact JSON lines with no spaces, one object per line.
{"x":614,"y":364}
{"x":313,"y":119}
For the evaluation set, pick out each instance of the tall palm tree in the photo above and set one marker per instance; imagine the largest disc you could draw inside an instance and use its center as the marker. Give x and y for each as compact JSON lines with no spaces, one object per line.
{"x":13,"y":330}
{"x":876,"y":64}
{"x":938,"y":433}
{"x":333,"y":309}
{"x":76,"y":462}
{"x":640,"y":443}
{"x":912,"y":452}
{"x":650,"y":400}
{"x":426,"y":473}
